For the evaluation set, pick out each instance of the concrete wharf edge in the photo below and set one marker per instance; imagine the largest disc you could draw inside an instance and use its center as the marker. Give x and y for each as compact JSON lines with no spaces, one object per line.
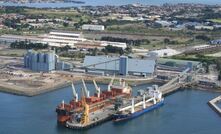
{"x":213,"y":104}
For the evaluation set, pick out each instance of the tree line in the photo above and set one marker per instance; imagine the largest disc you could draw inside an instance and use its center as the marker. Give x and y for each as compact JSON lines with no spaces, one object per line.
{"x":28,"y":45}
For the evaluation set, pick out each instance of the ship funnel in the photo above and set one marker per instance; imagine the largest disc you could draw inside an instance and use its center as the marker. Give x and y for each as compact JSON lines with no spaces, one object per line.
{"x":86,"y":92}
{"x":98,"y":89}
{"x":74,"y":92}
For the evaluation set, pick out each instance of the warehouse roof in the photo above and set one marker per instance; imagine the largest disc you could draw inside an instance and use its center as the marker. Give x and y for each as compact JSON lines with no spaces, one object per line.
{"x":112,"y":64}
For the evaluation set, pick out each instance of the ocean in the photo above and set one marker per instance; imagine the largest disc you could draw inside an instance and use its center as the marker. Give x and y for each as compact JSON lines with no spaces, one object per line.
{"x":112,"y":2}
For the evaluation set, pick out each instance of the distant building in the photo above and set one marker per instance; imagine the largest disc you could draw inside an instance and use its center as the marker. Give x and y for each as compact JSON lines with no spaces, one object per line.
{"x":63,"y":66}
{"x":177,"y":65}
{"x":202,"y":27}
{"x":120,"y":65}
{"x":162,"y":23}
{"x":61,"y":39}
{"x":164,"y":52}
{"x":114,"y":44}
{"x":93,"y":27}
{"x":216,"y":42}
{"x":40,"y":61}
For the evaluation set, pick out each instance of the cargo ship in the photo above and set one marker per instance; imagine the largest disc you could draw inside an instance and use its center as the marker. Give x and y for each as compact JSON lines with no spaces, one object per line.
{"x":144,"y":102}
{"x":100,"y":101}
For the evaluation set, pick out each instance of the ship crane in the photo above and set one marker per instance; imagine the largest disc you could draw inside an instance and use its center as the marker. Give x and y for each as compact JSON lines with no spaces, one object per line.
{"x":98,"y":89}
{"x":122,"y":82}
{"x":74,"y":92}
{"x":111,"y":83}
{"x":132,"y":106}
{"x":86,"y":92}
{"x":62,"y":104}
{"x":137,"y":104}
{"x":85,"y":114}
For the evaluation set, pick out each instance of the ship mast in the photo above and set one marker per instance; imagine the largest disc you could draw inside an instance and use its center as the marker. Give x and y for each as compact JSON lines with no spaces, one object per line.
{"x":98,"y":89}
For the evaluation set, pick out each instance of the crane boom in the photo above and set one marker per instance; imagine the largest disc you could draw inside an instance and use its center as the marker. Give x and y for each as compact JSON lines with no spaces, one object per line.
{"x":74,"y":92}
{"x":111,"y":83}
{"x":86,"y":92}
{"x":98,"y":90}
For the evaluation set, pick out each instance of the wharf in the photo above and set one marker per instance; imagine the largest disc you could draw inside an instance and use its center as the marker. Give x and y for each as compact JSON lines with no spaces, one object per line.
{"x":213,"y":104}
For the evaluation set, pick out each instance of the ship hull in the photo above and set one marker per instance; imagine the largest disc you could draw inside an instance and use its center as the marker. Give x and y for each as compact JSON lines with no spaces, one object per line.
{"x":124,"y":117}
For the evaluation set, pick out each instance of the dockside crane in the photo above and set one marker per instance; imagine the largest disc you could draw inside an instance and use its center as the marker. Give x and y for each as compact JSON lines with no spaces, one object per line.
{"x":87,"y":93}
{"x":111,"y":83}
{"x":98,"y":89}
{"x":74,"y":93}
{"x":85,"y":115}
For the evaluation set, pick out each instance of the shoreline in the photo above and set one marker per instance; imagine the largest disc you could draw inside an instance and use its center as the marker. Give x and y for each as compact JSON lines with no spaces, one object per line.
{"x":29,"y":92}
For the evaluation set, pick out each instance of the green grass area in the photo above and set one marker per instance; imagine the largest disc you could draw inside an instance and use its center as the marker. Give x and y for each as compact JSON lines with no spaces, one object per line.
{"x":218,"y":54}
{"x":216,"y":20}
{"x":52,"y":13}
{"x":13,"y":52}
{"x":200,"y":58}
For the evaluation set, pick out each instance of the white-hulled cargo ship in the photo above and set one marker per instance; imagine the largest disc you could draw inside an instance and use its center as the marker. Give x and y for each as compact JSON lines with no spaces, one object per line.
{"x":144,"y":102}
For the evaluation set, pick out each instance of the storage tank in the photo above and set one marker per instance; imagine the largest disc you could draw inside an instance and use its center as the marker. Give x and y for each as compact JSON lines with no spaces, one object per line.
{"x":123,"y":67}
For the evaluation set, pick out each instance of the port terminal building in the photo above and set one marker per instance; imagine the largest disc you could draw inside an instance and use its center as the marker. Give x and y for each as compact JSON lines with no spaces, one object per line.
{"x":44,"y":61}
{"x":119,"y":65}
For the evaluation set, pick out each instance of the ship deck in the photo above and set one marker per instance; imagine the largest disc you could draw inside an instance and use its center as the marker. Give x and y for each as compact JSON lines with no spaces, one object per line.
{"x":95,"y":118}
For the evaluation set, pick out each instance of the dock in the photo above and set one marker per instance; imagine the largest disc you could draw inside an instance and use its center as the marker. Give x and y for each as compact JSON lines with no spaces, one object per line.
{"x":176,"y":83}
{"x":213,"y":104}
{"x":106,"y":114}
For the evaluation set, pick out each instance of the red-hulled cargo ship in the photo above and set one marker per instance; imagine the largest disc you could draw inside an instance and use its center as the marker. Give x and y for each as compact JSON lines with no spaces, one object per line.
{"x":100,"y":99}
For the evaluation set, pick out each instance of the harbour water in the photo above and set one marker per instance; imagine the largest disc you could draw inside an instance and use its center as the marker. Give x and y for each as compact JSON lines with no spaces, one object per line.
{"x":184,"y":112}
{"x":111,"y":2}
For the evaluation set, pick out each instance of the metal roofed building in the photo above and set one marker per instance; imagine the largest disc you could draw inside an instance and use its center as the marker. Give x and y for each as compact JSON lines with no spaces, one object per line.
{"x":178,"y":65}
{"x":93,"y":27}
{"x":120,"y":65}
{"x":61,"y":39}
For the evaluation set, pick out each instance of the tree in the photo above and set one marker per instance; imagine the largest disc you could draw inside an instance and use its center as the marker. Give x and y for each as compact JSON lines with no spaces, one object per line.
{"x":65,"y":24}
{"x":94,"y":52}
{"x":166,"y":41}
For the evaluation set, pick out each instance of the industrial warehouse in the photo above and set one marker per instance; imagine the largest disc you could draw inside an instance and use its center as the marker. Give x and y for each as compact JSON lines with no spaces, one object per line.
{"x":47,"y":60}
{"x":62,"y":39}
{"x":120,"y":65}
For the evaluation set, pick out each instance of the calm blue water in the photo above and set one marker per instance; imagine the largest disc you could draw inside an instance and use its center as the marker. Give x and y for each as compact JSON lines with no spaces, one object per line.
{"x":185,"y":112}
{"x":114,"y":2}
